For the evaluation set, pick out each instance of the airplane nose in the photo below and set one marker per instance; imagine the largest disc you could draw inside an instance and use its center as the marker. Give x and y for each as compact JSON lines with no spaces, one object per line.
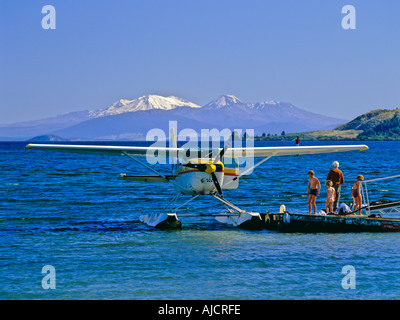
{"x":210,"y":168}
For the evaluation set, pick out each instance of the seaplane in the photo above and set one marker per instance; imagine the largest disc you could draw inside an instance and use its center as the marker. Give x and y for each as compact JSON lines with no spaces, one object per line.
{"x":198,"y":172}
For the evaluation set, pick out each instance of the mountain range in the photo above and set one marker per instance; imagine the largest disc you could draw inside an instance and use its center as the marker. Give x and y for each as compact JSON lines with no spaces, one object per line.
{"x":132,"y":119}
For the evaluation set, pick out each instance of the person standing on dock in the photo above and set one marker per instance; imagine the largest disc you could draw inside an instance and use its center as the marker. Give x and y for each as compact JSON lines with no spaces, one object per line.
{"x":330,"y":196}
{"x":337,"y":178}
{"x":356,"y":195}
{"x":314,"y":187}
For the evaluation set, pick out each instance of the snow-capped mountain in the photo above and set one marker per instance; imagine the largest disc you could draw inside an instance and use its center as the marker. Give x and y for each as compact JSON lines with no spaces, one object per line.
{"x":144,"y":103}
{"x":132,"y":119}
{"x":230,"y":101}
{"x":224,"y":101}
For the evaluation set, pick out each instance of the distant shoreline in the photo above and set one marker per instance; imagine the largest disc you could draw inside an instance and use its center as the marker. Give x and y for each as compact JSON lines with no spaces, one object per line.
{"x":142,"y":141}
{"x":291,"y":137}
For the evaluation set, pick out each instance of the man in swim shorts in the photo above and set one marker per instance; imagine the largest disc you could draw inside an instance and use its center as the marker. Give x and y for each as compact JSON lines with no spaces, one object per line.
{"x":314,"y":186}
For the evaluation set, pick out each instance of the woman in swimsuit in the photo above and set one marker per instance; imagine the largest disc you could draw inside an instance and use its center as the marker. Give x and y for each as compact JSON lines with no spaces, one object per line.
{"x":356,"y":194}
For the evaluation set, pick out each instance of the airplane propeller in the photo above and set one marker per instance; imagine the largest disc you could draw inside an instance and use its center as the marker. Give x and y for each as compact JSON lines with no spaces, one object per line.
{"x":221,"y":154}
{"x":216,"y":160}
{"x":216,"y":183}
{"x":211,"y":168}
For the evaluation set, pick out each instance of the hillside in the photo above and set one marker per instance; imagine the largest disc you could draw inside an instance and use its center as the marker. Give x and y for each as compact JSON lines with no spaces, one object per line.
{"x":380,"y":124}
{"x":386,"y":130}
{"x":370,"y":119}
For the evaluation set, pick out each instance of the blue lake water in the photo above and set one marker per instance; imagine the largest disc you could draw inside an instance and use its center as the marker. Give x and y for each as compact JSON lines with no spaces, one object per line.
{"x":70,"y":211}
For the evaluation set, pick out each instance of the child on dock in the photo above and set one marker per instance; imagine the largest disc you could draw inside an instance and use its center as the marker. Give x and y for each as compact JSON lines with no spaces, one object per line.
{"x":330,"y":196}
{"x":356,"y":194}
{"x":314,"y":186}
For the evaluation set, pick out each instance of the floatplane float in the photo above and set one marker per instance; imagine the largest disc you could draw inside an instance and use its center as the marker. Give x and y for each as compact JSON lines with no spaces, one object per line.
{"x":197,"y":175}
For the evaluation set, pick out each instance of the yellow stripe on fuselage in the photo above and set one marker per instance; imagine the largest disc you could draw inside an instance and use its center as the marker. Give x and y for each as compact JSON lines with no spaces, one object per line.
{"x":183,"y":169}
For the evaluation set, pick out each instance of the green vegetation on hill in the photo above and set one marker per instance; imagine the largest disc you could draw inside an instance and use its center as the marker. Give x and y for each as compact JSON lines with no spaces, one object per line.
{"x":370,"y":119}
{"x":381,"y":124}
{"x":387,"y":130}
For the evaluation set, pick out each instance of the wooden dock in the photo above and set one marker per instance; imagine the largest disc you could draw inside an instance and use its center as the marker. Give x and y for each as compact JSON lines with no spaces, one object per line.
{"x":293,"y":222}
{"x":285,"y":222}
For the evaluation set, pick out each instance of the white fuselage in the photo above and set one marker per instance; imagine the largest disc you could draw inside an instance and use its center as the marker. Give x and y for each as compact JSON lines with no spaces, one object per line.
{"x":196,"y":182}
{"x":193,"y":179}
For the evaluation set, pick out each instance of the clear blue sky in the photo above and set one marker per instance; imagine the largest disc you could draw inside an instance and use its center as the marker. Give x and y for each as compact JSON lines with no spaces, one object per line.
{"x":293,"y":51}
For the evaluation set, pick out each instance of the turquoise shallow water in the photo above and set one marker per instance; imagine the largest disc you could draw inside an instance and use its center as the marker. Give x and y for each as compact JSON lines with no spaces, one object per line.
{"x":70,"y":211}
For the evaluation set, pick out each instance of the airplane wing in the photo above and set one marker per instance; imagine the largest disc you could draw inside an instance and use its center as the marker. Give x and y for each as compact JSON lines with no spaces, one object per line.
{"x":107,"y":150}
{"x":167,"y":152}
{"x":263,"y":152}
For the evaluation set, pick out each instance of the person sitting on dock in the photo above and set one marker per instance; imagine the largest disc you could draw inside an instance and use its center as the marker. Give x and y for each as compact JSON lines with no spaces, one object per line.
{"x":356,"y":195}
{"x":314,"y":187}
{"x":337,"y":178}
{"x":330,"y":196}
